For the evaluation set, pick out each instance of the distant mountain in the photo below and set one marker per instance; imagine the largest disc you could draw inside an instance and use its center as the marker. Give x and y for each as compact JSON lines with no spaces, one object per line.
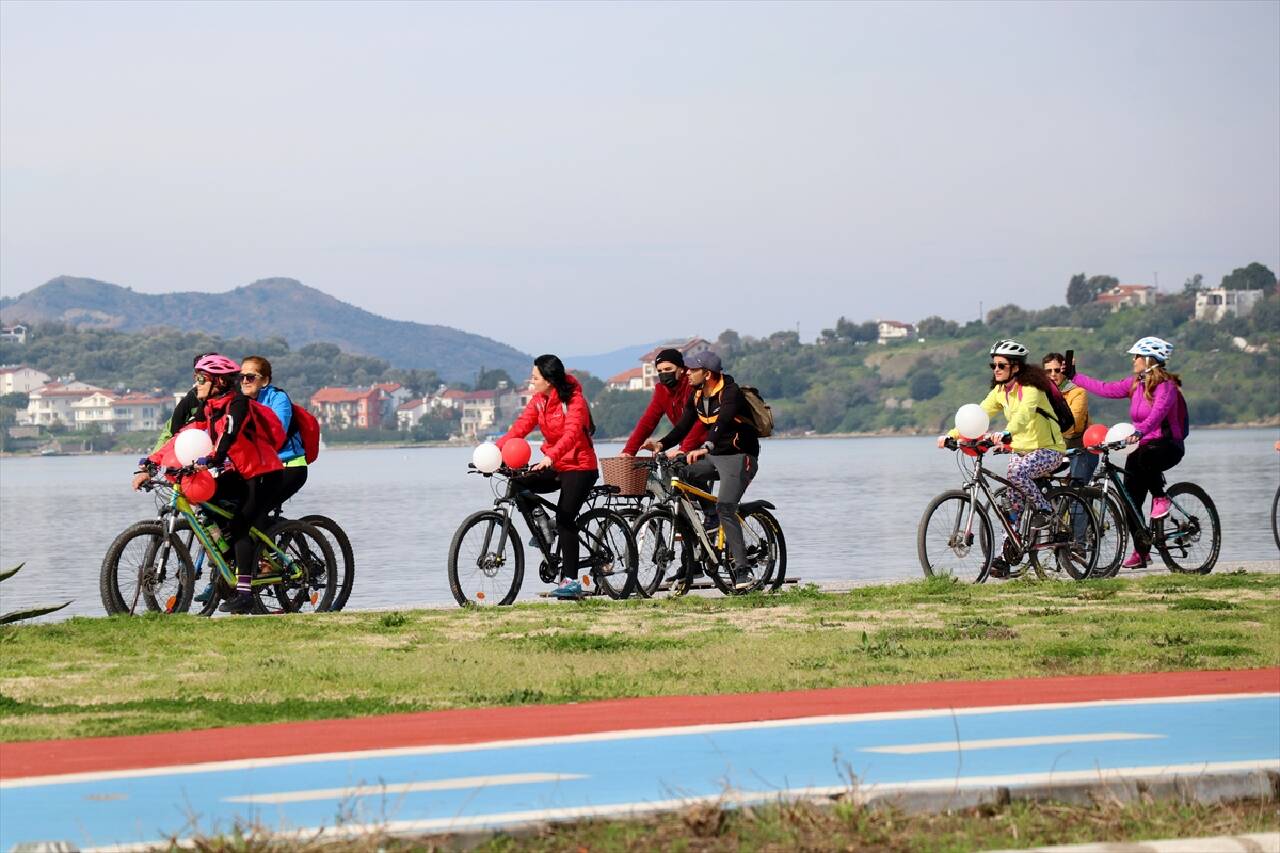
{"x":272,"y":307}
{"x":609,"y":364}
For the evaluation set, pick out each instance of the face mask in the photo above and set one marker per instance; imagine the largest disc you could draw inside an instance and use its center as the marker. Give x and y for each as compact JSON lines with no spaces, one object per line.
{"x":669,"y":378}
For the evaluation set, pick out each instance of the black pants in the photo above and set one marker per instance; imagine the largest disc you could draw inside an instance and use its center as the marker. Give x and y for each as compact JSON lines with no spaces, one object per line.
{"x":573,"y":486}
{"x":291,"y":481}
{"x":254,"y":499}
{"x":1142,"y":472}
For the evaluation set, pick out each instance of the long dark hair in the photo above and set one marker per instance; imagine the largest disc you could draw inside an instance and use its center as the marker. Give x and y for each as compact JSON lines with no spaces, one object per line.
{"x":1030,"y":375}
{"x":552,"y":370}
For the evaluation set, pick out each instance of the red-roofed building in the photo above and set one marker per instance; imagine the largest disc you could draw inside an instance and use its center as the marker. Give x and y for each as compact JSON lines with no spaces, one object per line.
{"x":51,"y":403}
{"x":349,"y":408}
{"x":893,"y":330}
{"x":124,"y":413}
{"x":1128,"y":295}
{"x":627,"y":380}
{"x":410,"y":412}
{"x":20,"y":379}
{"x":687,"y":347}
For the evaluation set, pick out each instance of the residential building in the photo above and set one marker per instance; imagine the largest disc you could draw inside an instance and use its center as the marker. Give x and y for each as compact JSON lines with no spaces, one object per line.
{"x":128,"y":412}
{"x":627,"y":380}
{"x":397,"y":395}
{"x":484,"y":412}
{"x":1217,"y":303}
{"x":1127,"y":296}
{"x":409,"y":413}
{"x":349,"y":408}
{"x":20,"y":379}
{"x":51,"y":403}
{"x":13,"y":334}
{"x":687,"y":347}
{"x":892,"y":330}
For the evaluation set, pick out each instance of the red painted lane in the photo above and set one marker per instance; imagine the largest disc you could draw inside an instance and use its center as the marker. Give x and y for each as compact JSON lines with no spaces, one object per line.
{"x":475,"y":725}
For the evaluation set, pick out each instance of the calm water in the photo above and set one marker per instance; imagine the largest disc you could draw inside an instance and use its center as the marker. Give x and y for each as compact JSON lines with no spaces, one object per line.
{"x":848,"y":507}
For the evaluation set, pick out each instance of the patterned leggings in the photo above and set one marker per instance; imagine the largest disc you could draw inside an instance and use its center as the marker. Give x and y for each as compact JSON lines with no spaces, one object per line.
{"x":1024,"y":468}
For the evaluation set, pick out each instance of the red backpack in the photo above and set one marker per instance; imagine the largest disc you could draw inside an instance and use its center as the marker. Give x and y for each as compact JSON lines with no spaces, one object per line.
{"x":304,"y":424}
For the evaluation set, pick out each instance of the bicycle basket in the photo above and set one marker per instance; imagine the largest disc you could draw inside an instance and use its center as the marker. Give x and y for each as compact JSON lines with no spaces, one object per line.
{"x":621,"y":471}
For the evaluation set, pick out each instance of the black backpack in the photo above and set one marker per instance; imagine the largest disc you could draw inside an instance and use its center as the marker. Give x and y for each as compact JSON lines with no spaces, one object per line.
{"x":1062,"y":414}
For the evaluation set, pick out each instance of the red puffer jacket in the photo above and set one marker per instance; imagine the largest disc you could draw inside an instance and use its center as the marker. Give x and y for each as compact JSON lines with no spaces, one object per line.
{"x":670,"y":403}
{"x":568,"y":444}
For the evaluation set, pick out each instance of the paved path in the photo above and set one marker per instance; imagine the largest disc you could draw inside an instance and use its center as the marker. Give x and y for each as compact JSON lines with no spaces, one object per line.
{"x":458,"y":770}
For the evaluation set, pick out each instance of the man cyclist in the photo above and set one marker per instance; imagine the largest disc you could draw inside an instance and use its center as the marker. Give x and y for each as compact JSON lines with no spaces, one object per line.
{"x":669,"y":397}
{"x":730,"y":453}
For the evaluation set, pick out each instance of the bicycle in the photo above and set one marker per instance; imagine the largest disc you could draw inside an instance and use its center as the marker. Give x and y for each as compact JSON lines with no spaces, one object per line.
{"x":1188,"y":538}
{"x":671,"y":534}
{"x":946,"y":537}
{"x":486,"y":556}
{"x":297,"y":566}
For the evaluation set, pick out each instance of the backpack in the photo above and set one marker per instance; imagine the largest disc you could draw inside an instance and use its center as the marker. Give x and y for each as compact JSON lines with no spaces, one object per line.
{"x":1062,"y":414}
{"x":304,"y":423}
{"x":761,"y":414}
{"x":1167,"y":426}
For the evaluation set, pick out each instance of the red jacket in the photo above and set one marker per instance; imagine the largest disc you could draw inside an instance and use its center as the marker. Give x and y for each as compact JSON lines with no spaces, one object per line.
{"x":252,"y":449}
{"x":670,"y":403}
{"x":568,"y":444}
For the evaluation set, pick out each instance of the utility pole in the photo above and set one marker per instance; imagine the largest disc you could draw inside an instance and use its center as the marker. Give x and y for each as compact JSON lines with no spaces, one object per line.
{"x":979,"y":310}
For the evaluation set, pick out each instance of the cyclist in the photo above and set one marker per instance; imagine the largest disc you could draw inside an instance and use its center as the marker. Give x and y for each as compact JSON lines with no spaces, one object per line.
{"x":669,"y":397}
{"x":255,"y":382}
{"x":1021,"y":392}
{"x":1082,"y":464}
{"x":1158,"y":423}
{"x":560,"y":412}
{"x":183,"y":413}
{"x":730,"y":453}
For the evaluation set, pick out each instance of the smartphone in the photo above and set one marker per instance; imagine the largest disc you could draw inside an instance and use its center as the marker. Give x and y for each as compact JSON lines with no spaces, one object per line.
{"x":1071,"y":358}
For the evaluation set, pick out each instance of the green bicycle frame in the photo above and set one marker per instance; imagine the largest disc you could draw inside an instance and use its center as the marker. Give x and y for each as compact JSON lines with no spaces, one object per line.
{"x":185,"y":508}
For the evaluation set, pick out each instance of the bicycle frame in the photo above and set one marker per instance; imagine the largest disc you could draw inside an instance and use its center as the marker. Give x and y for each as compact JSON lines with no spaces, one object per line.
{"x":1109,"y":475}
{"x":504,"y":504}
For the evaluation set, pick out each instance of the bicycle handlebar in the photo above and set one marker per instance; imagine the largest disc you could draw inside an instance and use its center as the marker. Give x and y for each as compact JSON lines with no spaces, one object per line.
{"x":979,"y":444}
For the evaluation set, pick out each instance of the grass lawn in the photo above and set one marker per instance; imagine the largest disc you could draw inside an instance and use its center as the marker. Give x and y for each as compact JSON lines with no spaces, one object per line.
{"x":126,"y":675}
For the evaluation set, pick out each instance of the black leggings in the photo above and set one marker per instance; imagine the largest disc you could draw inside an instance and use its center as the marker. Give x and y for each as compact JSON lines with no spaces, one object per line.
{"x":1142,"y":472}
{"x":255,"y":498}
{"x":573,"y":486}
{"x":291,"y":480}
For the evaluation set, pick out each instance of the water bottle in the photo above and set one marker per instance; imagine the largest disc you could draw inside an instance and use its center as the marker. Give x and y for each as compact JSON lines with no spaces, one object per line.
{"x":544,"y":525}
{"x":215,"y":532}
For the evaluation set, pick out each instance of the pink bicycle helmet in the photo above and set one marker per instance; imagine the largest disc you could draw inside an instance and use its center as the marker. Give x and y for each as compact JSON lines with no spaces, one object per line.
{"x":217,"y":365}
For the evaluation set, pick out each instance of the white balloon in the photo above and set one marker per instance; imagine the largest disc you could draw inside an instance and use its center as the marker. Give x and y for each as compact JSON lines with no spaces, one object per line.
{"x":1120,"y":432}
{"x":487,"y":457}
{"x":191,"y":444}
{"x":972,"y":420}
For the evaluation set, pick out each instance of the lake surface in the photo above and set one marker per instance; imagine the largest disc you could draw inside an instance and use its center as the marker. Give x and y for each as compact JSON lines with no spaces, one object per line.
{"x":849,"y":509}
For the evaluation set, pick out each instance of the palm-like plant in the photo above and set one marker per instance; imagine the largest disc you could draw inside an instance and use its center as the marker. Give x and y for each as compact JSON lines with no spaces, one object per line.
{"x":30,"y":612}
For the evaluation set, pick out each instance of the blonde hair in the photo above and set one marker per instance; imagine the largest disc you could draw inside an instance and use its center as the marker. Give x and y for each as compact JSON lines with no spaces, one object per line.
{"x":1156,"y":374}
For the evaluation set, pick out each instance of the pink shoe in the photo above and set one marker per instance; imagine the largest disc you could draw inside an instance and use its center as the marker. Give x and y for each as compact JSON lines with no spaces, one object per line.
{"x":1136,"y":560}
{"x":1159,"y":508}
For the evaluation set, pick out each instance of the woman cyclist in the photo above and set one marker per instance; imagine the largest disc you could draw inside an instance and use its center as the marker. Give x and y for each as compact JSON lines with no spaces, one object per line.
{"x":1159,"y":425}
{"x":1021,"y":392}
{"x":255,"y":382}
{"x":560,"y":412}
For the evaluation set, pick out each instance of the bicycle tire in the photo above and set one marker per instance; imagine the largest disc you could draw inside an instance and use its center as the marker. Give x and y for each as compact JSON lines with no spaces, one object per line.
{"x":470,"y":590}
{"x":1077,"y":553}
{"x":950,"y":508}
{"x":309,"y":550}
{"x":1113,"y":532}
{"x":1177,"y":545}
{"x":762,"y":535}
{"x":662,"y":551}
{"x":1275,"y":517}
{"x":339,"y":537}
{"x":606,"y":529}
{"x":170,"y":593}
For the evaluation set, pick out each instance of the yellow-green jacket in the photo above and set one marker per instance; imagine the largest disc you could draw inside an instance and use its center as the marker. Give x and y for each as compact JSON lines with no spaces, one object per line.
{"x":1030,"y":430}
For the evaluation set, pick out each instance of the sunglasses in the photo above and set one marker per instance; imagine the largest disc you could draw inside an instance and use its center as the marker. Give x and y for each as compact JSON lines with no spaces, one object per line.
{"x":995,"y":365}
{"x":250,"y":377}
{"x":1054,"y":370}
{"x":201,"y":378}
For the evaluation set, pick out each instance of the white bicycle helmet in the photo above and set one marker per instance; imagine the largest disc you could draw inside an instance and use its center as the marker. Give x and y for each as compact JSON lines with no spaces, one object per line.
{"x":1157,"y":348}
{"x":1009,"y":348}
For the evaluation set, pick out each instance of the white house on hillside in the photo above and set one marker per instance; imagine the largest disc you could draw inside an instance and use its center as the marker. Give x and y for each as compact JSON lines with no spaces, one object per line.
{"x":13,"y":334}
{"x":1213,"y":305}
{"x":51,"y":403}
{"x":20,"y":379}
{"x":126,"y":413}
{"x":1127,"y":296}
{"x":893,"y":330}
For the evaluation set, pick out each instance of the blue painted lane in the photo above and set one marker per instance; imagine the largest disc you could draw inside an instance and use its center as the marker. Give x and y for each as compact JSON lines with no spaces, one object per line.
{"x":500,"y":784}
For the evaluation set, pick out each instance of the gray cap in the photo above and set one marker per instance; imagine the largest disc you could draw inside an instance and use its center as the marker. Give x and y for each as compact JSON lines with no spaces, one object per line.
{"x":705,"y":360}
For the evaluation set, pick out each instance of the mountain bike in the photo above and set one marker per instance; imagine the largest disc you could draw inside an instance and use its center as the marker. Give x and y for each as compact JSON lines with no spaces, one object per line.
{"x":486,"y":556}
{"x":149,"y":563}
{"x":955,"y":537}
{"x":674,"y":543}
{"x":1188,"y":538}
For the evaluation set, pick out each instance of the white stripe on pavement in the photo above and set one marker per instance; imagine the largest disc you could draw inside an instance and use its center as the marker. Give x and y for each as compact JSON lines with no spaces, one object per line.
{"x":1259,"y":842}
{"x":1000,"y":743}
{"x":459,"y":783}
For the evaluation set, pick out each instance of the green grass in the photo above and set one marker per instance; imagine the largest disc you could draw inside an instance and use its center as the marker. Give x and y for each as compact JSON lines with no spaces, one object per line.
{"x":125,"y":675}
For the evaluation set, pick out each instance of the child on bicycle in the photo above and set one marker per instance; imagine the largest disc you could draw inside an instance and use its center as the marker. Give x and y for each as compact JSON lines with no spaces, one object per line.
{"x":1159,"y":428}
{"x":1020,"y":392}
{"x":560,"y":412}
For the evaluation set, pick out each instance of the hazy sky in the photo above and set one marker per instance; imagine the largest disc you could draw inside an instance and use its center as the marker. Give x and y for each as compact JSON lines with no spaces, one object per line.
{"x":577,"y":177}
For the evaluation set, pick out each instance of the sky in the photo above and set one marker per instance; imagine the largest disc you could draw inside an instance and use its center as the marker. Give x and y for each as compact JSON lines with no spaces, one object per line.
{"x":578,"y":177}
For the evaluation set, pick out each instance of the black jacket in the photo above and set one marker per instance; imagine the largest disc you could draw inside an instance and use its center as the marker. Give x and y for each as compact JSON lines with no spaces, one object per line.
{"x":727,"y":416}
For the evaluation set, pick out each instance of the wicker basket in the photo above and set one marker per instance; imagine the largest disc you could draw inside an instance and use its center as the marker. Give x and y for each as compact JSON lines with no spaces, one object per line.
{"x":621,"y":471}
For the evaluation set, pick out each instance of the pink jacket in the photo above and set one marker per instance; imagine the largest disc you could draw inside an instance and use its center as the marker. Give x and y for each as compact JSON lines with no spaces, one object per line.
{"x":1147,"y":416}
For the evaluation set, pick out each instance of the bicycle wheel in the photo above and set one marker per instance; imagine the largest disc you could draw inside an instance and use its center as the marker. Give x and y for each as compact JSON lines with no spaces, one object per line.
{"x":661,"y":549}
{"x":608,"y":551}
{"x":1188,"y":538}
{"x":144,"y":567}
{"x":1275,"y":517}
{"x":766,"y":548}
{"x":207,"y":571}
{"x":486,"y":561}
{"x":1113,"y":533}
{"x":1072,"y":538}
{"x":342,"y":548}
{"x":946,"y":547}
{"x":308,"y":570}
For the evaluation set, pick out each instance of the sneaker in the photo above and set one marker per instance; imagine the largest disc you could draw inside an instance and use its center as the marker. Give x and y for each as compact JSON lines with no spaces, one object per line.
{"x":679,"y":585}
{"x":242,"y":603}
{"x":568,"y":588}
{"x":1136,"y":560}
{"x":1159,"y":508}
{"x":743,"y":580}
{"x":204,"y":595}
{"x":999,"y":568}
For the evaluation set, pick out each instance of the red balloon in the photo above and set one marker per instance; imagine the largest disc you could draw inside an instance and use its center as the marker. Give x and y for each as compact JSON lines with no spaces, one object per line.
{"x":516,"y":453}
{"x":1095,"y":434}
{"x":199,"y":487}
